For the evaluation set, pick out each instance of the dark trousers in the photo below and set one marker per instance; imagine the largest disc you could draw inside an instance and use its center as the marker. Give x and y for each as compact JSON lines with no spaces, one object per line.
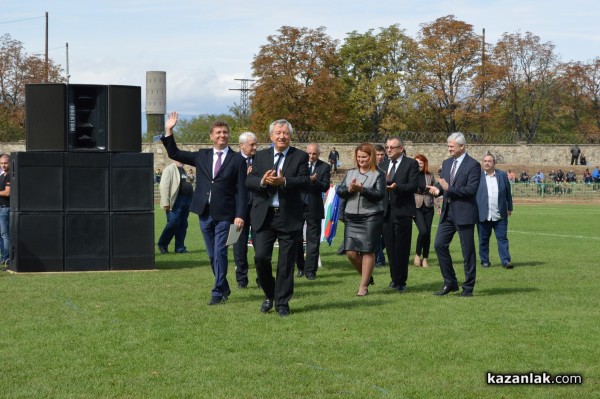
{"x":397,"y":235}
{"x":313,"y":244}
{"x":215,"y":237}
{"x":423,"y":220}
{"x":177,"y":224}
{"x":280,"y":287}
{"x":240,"y":254}
{"x":574,"y":159}
{"x":444,"y":236}
{"x":500,"y":228}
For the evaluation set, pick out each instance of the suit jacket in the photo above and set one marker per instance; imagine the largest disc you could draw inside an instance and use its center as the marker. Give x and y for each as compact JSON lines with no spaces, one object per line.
{"x":313,"y":196}
{"x":227,"y":191}
{"x":505,"y":203}
{"x":424,"y":198}
{"x":169,"y":185}
{"x":295,"y":171}
{"x":400,"y":202}
{"x":462,"y":192}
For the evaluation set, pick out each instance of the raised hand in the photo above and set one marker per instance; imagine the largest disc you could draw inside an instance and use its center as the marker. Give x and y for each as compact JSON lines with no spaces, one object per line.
{"x":170,"y":123}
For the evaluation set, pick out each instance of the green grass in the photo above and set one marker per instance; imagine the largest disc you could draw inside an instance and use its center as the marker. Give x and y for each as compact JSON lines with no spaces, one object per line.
{"x":152,"y":335}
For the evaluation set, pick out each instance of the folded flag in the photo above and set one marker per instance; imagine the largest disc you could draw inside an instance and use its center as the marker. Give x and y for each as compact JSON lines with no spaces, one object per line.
{"x":332,"y":211}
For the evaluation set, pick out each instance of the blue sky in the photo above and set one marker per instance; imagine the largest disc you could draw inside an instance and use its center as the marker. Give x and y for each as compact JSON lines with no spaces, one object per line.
{"x":204,"y":45}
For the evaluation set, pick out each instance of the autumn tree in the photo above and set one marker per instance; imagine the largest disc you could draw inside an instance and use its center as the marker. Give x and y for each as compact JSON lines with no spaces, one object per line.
{"x":450,"y":54}
{"x":16,"y":70}
{"x":297,"y":79}
{"x":526,"y":75}
{"x":375,"y":68}
{"x":579,"y":88}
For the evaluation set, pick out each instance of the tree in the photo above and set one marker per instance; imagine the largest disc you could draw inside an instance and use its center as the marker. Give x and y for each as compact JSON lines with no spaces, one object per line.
{"x":526,"y":75}
{"x":297,"y":80}
{"x":375,"y":67}
{"x":197,"y":129}
{"x":450,"y":54}
{"x":18,"y":69}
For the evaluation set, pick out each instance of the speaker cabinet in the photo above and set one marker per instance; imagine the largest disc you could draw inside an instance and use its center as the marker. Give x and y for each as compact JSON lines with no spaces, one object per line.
{"x":86,"y":181}
{"x":46,"y":117}
{"x":124,"y":118}
{"x":87,"y":117}
{"x":37,"y":241}
{"x":87,"y":241}
{"x":78,"y":117}
{"x":37,"y":181}
{"x":132,"y":182}
{"x":132,"y":240}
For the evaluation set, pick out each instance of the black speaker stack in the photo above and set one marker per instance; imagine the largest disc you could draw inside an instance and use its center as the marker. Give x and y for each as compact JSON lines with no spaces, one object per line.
{"x":82,"y":195}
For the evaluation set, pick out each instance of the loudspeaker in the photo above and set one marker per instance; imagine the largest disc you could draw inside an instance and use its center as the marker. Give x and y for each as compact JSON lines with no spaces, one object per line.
{"x":86,"y":181}
{"x":37,"y":241}
{"x":87,"y":241}
{"x":80,"y":117}
{"x":37,"y":181}
{"x":132,"y":182}
{"x":87,"y":117}
{"x":132,"y":240}
{"x":45,"y":117}
{"x":124,"y":118}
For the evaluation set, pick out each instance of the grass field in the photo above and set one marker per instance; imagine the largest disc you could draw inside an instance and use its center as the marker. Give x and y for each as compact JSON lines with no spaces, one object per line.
{"x":152,"y":335}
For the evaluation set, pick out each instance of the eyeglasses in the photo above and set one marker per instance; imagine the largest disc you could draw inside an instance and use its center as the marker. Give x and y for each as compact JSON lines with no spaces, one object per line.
{"x":392,"y":147}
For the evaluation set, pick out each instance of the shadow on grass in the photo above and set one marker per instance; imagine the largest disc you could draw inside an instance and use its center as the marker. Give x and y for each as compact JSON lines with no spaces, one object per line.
{"x":505,"y":291}
{"x":344,"y":304}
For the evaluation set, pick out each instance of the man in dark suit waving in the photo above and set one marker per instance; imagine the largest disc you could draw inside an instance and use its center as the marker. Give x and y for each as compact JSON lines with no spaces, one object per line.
{"x":220,"y":198}
{"x":314,"y":212}
{"x":399,"y":209}
{"x":279,"y":176}
{"x":458,"y":183}
{"x":494,"y":200}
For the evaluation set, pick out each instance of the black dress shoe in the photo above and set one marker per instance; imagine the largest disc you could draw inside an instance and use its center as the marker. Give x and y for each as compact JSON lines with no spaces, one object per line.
{"x":400,"y":288}
{"x":226,"y":295}
{"x":311,"y":276}
{"x":393,"y":285}
{"x":507,"y":265}
{"x":266,"y":305}
{"x":283,"y":311}
{"x":216,"y":301}
{"x":485,"y":264}
{"x":163,"y":250}
{"x":466,"y":293}
{"x":183,"y":251}
{"x":446,"y":290}
{"x":300,"y":273}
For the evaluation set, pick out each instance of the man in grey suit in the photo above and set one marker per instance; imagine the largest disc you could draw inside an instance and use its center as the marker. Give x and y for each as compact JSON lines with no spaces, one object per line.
{"x":494,"y":200}
{"x":220,"y":198}
{"x":458,"y":183}
{"x":278,"y":178}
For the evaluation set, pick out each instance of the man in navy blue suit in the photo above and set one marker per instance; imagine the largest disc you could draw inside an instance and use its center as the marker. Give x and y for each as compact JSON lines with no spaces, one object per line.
{"x":278,"y":179}
{"x":458,"y":183}
{"x":220,"y":198}
{"x":494,"y":200}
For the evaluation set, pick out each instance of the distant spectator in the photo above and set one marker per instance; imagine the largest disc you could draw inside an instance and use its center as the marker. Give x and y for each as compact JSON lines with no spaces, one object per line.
{"x":539,"y":177}
{"x":571,"y":177}
{"x":559,"y":180}
{"x":587,"y":176}
{"x":157,"y":175}
{"x":575,"y":152}
{"x":582,"y":160}
{"x":596,"y":177}
{"x":334,"y":160}
{"x":511,"y":177}
{"x":524,"y":177}
{"x":552,"y":176}
{"x":191,"y":177}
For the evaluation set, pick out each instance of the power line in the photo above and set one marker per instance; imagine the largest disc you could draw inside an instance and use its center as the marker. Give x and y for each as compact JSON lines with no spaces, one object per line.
{"x":20,"y":20}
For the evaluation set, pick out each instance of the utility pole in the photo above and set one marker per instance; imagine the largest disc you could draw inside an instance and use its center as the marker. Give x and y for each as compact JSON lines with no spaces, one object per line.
{"x":68,"y":75}
{"x":46,"y":64}
{"x":244,"y":103}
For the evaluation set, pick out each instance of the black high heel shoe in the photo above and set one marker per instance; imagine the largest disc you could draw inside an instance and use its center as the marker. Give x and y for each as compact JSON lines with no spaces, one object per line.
{"x":371,"y":281}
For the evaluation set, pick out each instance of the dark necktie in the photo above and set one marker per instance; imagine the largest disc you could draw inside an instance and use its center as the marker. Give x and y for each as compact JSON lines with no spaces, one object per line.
{"x":218,"y":163}
{"x":390,"y":175}
{"x":310,"y":168}
{"x":453,"y":171}
{"x":276,"y":167}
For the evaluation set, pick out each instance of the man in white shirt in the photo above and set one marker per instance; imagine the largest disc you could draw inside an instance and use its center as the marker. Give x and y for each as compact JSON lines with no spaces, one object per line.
{"x":494,"y":201}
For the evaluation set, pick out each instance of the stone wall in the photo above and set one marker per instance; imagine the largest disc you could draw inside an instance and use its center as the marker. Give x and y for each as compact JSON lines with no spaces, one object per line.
{"x":549,"y":155}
